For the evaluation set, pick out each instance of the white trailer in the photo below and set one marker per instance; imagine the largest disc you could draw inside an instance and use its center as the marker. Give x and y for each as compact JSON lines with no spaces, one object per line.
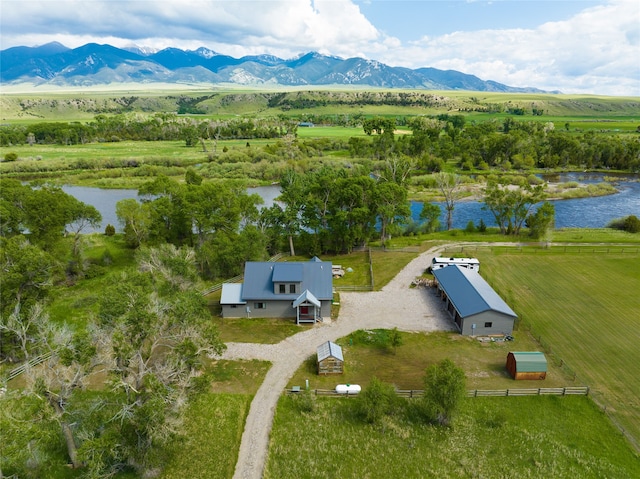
{"x":469,"y":263}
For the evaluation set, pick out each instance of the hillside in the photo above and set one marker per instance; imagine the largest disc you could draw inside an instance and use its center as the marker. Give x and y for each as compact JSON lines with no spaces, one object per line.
{"x":69,"y":106}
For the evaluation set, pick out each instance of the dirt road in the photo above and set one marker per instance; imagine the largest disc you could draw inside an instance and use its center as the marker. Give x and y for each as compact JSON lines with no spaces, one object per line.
{"x":396,"y":305}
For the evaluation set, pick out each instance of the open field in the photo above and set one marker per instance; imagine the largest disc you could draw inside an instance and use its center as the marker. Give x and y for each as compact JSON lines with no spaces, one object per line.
{"x":83,"y":104}
{"x":208,"y":446}
{"x":559,"y":437}
{"x":584,"y":308}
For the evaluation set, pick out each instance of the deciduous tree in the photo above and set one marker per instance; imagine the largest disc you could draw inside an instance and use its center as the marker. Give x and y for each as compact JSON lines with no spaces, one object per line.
{"x":444,"y":388}
{"x":449,"y":186}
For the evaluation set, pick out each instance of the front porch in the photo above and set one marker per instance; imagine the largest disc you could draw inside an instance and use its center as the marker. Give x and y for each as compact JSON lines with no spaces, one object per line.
{"x":308,"y":308}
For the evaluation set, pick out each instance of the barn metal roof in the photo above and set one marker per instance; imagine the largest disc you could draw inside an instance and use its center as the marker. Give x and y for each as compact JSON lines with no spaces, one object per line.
{"x":329,"y":349}
{"x":469,"y":292}
{"x":231,"y":294}
{"x":259,"y":279}
{"x":530,"y":362}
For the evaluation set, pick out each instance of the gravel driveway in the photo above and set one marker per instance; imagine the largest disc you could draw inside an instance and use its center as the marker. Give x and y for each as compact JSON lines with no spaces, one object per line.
{"x":396,"y":305}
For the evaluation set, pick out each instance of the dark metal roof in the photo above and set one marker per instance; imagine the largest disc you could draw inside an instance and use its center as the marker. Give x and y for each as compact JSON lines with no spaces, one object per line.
{"x":469,"y":292}
{"x":259,"y":278}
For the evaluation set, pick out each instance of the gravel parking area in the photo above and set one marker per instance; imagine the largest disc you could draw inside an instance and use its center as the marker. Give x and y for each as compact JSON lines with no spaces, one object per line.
{"x":396,"y":305}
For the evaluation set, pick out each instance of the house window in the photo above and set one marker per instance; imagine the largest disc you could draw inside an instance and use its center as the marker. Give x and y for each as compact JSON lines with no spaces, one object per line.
{"x":292,"y":288}
{"x":259,"y":305}
{"x":488,"y":325}
{"x":282,"y":288}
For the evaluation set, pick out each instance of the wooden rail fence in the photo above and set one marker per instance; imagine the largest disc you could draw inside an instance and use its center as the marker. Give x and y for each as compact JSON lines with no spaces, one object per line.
{"x":17,"y":371}
{"x":414,"y":393}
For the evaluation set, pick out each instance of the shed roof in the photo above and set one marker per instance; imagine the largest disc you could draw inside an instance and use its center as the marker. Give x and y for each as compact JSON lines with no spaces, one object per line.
{"x":329,"y":349}
{"x":530,"y":361}
{"x":469,"y":292}
{"x":259,"y":278}
{"x":232,"y":294}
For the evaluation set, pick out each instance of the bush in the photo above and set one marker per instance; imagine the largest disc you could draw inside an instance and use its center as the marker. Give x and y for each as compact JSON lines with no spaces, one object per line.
{"x":378,"y":399}
{"x":482,"y":227}
{"x":110,"y":230}
{"x":11,"y":156}
{"x":629,"y":223}
{"x":632,"y":224}
{"x":470,"y":228}
{"x":444,"y":388}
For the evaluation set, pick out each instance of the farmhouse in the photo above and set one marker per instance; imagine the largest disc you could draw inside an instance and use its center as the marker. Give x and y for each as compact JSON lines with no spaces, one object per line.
{"x":527,"y":365}
{"x":330,"y":359}
{"x":475,"y":307}
{"x":301,"y":290}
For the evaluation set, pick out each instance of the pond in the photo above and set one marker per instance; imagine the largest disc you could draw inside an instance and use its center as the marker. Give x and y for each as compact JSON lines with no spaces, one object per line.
{"x":575,"y":213}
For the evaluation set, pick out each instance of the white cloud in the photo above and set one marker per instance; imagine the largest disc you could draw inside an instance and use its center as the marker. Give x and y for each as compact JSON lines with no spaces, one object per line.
{"x":597,"y":50}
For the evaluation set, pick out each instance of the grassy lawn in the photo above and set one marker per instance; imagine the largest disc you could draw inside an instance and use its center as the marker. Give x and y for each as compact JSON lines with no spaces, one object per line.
{"x":484,"y":363}
{"x":257,"y":330}
{"x":210,"y":439}
{"x":584,"y":309}
{"x":527,"y":437}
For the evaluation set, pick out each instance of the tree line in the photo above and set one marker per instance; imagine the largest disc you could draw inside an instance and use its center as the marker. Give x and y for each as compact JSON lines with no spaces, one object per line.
{"x":434,"y":140}
{"x":134,"y":127}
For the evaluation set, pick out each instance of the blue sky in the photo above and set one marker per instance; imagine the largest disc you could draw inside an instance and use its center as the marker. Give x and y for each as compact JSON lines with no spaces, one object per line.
{"x":575,"y":46}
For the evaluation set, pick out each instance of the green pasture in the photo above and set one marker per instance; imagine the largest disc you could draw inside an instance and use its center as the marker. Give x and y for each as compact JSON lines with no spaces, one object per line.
{"x":207,"y":447}
{"x":525,"y":437}
{"x":582,"y":304}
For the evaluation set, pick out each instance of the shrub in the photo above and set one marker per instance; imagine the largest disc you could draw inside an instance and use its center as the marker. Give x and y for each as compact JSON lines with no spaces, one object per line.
{"x":482,"y":227}
{"x":110,"y":230}
{"x":629,"y":223}
{"x":378,"y":399}
{"x":470,"y":228}
{"x":444,"y":388}
{"x":11,"y":156}
{"x":632,"y":224}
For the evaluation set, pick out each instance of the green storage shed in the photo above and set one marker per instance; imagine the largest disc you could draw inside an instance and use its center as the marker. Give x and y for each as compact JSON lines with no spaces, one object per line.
{"x":527,"y":365}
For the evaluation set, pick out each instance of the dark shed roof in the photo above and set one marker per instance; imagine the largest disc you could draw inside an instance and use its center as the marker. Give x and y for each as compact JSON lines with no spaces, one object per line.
{"x":469,"y":292}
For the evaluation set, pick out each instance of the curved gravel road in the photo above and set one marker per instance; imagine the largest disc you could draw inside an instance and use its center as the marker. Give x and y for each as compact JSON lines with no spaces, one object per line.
{"x":396,"y":305}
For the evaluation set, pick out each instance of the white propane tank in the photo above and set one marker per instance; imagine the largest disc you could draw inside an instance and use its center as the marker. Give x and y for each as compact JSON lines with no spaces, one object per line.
{"x":348,"y":389}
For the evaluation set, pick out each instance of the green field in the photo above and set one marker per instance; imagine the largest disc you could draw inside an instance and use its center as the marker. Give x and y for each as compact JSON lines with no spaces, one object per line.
{"x":584,"y":309}
{"x":528,"y":437}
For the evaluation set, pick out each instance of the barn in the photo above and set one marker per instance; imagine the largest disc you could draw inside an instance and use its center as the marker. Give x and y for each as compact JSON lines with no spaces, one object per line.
{"x":475,"y":307}
{"x":330,"y":359}
{"x":527,"y":365}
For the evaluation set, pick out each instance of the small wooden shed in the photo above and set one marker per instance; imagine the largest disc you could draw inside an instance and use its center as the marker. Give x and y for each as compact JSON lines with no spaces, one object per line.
{"x":330,"y":359}
{"x":527,"y":365}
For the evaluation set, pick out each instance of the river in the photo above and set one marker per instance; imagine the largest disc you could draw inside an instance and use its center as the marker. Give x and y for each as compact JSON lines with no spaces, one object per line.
{"x":593,"y":212}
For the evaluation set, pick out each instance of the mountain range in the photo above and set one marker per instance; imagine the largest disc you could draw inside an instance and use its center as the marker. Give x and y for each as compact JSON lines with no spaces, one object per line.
{"x":94,"y":64}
